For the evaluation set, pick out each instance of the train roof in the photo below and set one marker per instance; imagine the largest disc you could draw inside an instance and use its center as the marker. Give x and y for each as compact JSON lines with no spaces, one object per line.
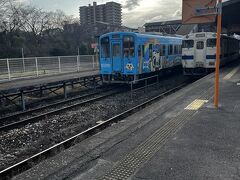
{"x":149,"y":35}
{"x":205,"y":35}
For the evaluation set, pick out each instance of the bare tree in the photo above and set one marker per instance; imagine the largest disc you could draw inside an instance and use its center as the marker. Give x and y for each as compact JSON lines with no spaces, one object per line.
{"x":9,"y":15}
{"x":34,"y":20}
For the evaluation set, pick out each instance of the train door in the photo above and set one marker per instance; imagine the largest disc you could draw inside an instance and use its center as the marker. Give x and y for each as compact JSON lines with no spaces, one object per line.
{"x":200,"y":53}
{"x":116,"y":56}
{"x":130,"y":55}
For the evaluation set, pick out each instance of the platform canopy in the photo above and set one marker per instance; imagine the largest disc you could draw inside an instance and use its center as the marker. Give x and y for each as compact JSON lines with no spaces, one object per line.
{"x":231,"y":14}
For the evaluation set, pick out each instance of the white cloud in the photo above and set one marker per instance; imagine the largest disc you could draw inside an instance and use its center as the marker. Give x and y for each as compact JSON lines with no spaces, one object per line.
{"x":156,"y":10}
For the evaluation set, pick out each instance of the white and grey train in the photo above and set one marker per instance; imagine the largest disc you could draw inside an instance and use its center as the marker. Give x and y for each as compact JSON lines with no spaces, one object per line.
{"x":199,"y":52}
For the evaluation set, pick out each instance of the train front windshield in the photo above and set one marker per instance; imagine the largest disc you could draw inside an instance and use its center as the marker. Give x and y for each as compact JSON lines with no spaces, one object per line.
{"x":211,"y":42}
{"x":188,"y":44}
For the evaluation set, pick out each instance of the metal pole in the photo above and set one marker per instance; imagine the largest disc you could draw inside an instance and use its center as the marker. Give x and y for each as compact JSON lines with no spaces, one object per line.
{"x":97,"y":60}
{"x":78,"y":63}
{"x":93,"y":61}
{"x":59,"y":64}
{"x":145,"y":89}
{"x":9,"y":73}
{"x":23,"y":101}
{"x":94,"y":83}
{"x":24,"y":69}
{"x":131,"y":90}
{"x":36,"y":61}
{"x":65,"y":90}
{"x":218,"y":52}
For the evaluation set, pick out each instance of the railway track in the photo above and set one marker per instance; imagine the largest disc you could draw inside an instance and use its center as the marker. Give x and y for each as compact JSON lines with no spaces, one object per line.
{"x":31,"y":161}
{"x":33,"y":115}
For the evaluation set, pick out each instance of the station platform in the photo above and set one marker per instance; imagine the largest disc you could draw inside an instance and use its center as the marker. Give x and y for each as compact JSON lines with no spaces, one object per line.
{"x":25,"y":83}
{"x":179,"y":137}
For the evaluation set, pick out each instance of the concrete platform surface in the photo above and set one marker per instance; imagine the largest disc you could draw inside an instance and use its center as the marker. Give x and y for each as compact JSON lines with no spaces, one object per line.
{"x":179,"y":137}
{"x":28,"y":82}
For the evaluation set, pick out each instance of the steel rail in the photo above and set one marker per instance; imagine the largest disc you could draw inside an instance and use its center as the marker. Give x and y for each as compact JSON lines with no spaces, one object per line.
{"x":33,"y":119}
{"x":28,"y":163}
{"x":16,"y":115}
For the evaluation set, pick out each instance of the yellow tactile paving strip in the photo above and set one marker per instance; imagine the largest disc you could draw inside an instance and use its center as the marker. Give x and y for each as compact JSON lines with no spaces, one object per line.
{"x":196,"y":104}
{"x":232,"y":73}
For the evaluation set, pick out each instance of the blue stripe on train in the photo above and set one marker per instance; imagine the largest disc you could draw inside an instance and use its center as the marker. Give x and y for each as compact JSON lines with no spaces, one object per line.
{"x":210,"y":56}
{"x":187,"y":57}
{"x":192,"y":57}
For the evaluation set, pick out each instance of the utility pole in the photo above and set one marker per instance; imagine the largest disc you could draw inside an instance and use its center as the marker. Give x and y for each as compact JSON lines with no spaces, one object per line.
{"x":23,"y":61}
{"x":218,"y":52}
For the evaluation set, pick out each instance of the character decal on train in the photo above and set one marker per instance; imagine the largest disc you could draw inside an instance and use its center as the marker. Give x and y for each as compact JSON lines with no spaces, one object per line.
{"x":129,"y":66}
{"x":164,"y":62}
{"x":155,"y":60}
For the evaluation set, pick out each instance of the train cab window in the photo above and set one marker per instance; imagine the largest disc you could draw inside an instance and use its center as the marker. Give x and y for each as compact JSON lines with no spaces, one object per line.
{"x":188,"y":44}
{"x":128,"y":46}
{"x":105,"y":47}
{"x":200,"y":45}
{"x":211,"y":43}
{"x":116,"y":50}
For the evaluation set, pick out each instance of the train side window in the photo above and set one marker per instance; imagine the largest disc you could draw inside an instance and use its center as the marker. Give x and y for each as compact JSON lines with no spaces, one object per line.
{"x":211,"y":43}
{"x":143,"y":50}
{"x":170,"y":49}
{"x":180,"y":49}
{"x":175,"y":49}
{"x":150,"y":50}
{"x":161,"y":50}
{"x":105,"y":47}
{"x":164,"y":50}
{"x":200,"y":45}
{"x":188,"y":44}
{"x":128,"y":46}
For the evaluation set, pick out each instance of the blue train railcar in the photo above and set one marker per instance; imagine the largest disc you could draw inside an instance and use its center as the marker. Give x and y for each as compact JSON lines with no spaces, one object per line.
{"x":128,"y":56}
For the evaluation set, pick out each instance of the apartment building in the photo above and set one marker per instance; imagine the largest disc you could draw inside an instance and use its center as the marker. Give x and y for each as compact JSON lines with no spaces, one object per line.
{"x":109,"y":13}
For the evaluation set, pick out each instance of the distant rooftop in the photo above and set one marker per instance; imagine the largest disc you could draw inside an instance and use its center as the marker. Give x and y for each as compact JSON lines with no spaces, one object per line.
{"x":163,"y":23}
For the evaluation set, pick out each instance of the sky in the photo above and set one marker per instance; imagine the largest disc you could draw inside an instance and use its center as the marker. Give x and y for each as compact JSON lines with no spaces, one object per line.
{"x":135,"y":12}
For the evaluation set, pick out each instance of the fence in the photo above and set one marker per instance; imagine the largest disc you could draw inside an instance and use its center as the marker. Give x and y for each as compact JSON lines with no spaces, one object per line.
{"x":39,"y":66}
